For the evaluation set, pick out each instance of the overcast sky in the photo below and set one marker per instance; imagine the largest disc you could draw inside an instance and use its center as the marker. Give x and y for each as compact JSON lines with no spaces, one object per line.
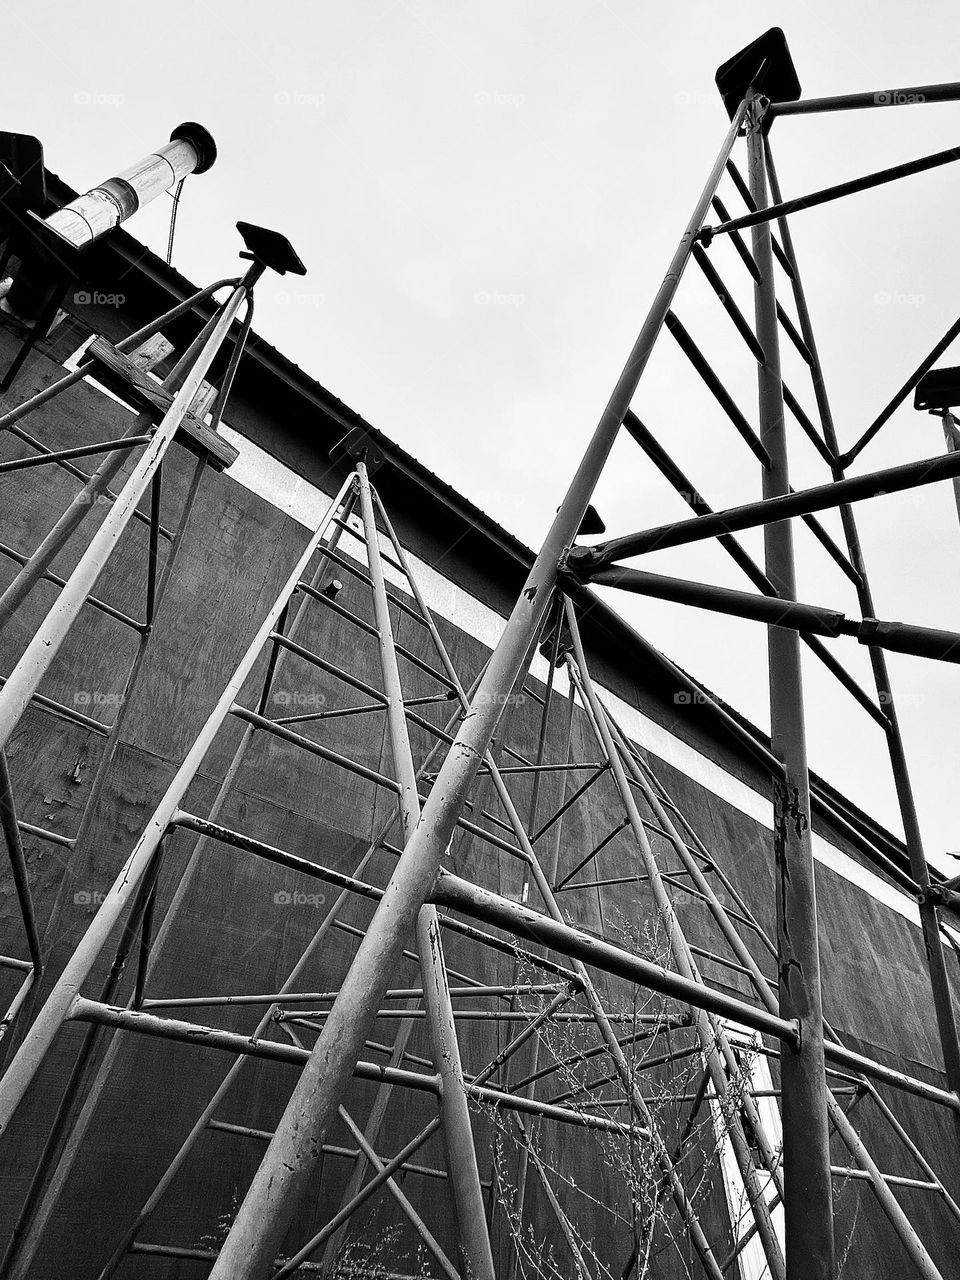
{"x":487,"y":195}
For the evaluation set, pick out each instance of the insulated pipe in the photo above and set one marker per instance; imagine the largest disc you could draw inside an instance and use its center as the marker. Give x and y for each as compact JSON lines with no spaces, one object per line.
{"x":191,"y":149}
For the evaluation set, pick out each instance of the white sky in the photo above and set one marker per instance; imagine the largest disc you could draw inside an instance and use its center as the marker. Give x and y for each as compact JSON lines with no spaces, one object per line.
{"x":487,"y":195}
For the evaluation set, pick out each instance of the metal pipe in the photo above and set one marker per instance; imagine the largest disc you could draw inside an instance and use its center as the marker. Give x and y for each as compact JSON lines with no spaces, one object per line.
{"x":378,"y":1165}
{"x":668,"y":468}
{"x":808,"y":1203}
{"x":912,"y":1148}
{"x":18,"y":868}
{"x":503,"y":913}
{"x":347,"y":1210}
{"x":769,"y":213}
{"x":40,"y":1036}
{"x":894,"y":403}
{"x":329,"y":920}
{"x":914,"y":95}
{"x":764,"y":990}
{"x":710,"y":1034}
{"x":475,"y":1252}
{"x":191,"y":149}
{"x":582,"y":980}
{"x":867,"y":1168}
{"x":601,"y":1017}
{"x":520,"y":1190}
{"x":716,"y":387}
{"x":772,"y":610}
{"x":750,"y":515}
{"x":13,"y":416}
{"x":280,"y":1182}
{"x":744,"y":189}
{"x":483,"y":904}
{"x":919,"y":868}
{"x":45,"y":644}
{"x":98,"y":483}
{"x":84,"y":1010}
{"x":901,"y":637}
{"x":80,"y":451}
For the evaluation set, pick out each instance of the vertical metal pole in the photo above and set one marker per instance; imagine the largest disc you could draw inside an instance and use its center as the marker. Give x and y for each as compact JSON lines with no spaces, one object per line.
{"x":709,"y":1032}
{"x":919,"y":868}
{"x":524,"y":1158}
{"x":464,"y":1176}
{"x":847,"y":1133}
{"x":294,"y":1151}
{"x":808,"y":1198}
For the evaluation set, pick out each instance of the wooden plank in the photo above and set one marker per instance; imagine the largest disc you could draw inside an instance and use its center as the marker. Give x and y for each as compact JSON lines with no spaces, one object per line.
{"x":129,"y":382}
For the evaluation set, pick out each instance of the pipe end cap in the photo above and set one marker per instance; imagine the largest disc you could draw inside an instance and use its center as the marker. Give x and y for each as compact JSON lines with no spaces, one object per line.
{"x":200,"y":139}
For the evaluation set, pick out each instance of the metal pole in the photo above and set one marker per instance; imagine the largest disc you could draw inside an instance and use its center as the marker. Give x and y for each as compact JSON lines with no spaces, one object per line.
{"x":808,"y":1197}
{"x":901,"y":637}
{"x":599,"y":1014}
{"x":94,"y":491}
{"x":475,"y":1252}
{"x":919,"y":868}
{"x":282,"y":1178}
{"x":206,"y":1116}
{"x":709,"y":1033}
{"x":25,"y":677}
{"x":887,"y":412}
{"x":128,"y":344}
{"x":908,"y":475}
{"x":342,"y":1217}
{"x":378,"y":1165}
{"x":40,"y":1036}
{"x":768,"y":213}
{"x":909,"y":96}
{"x":848,"y":1134}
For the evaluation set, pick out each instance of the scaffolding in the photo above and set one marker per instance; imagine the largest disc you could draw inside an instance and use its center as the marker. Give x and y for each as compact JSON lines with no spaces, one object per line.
{"x":469,"y":788}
